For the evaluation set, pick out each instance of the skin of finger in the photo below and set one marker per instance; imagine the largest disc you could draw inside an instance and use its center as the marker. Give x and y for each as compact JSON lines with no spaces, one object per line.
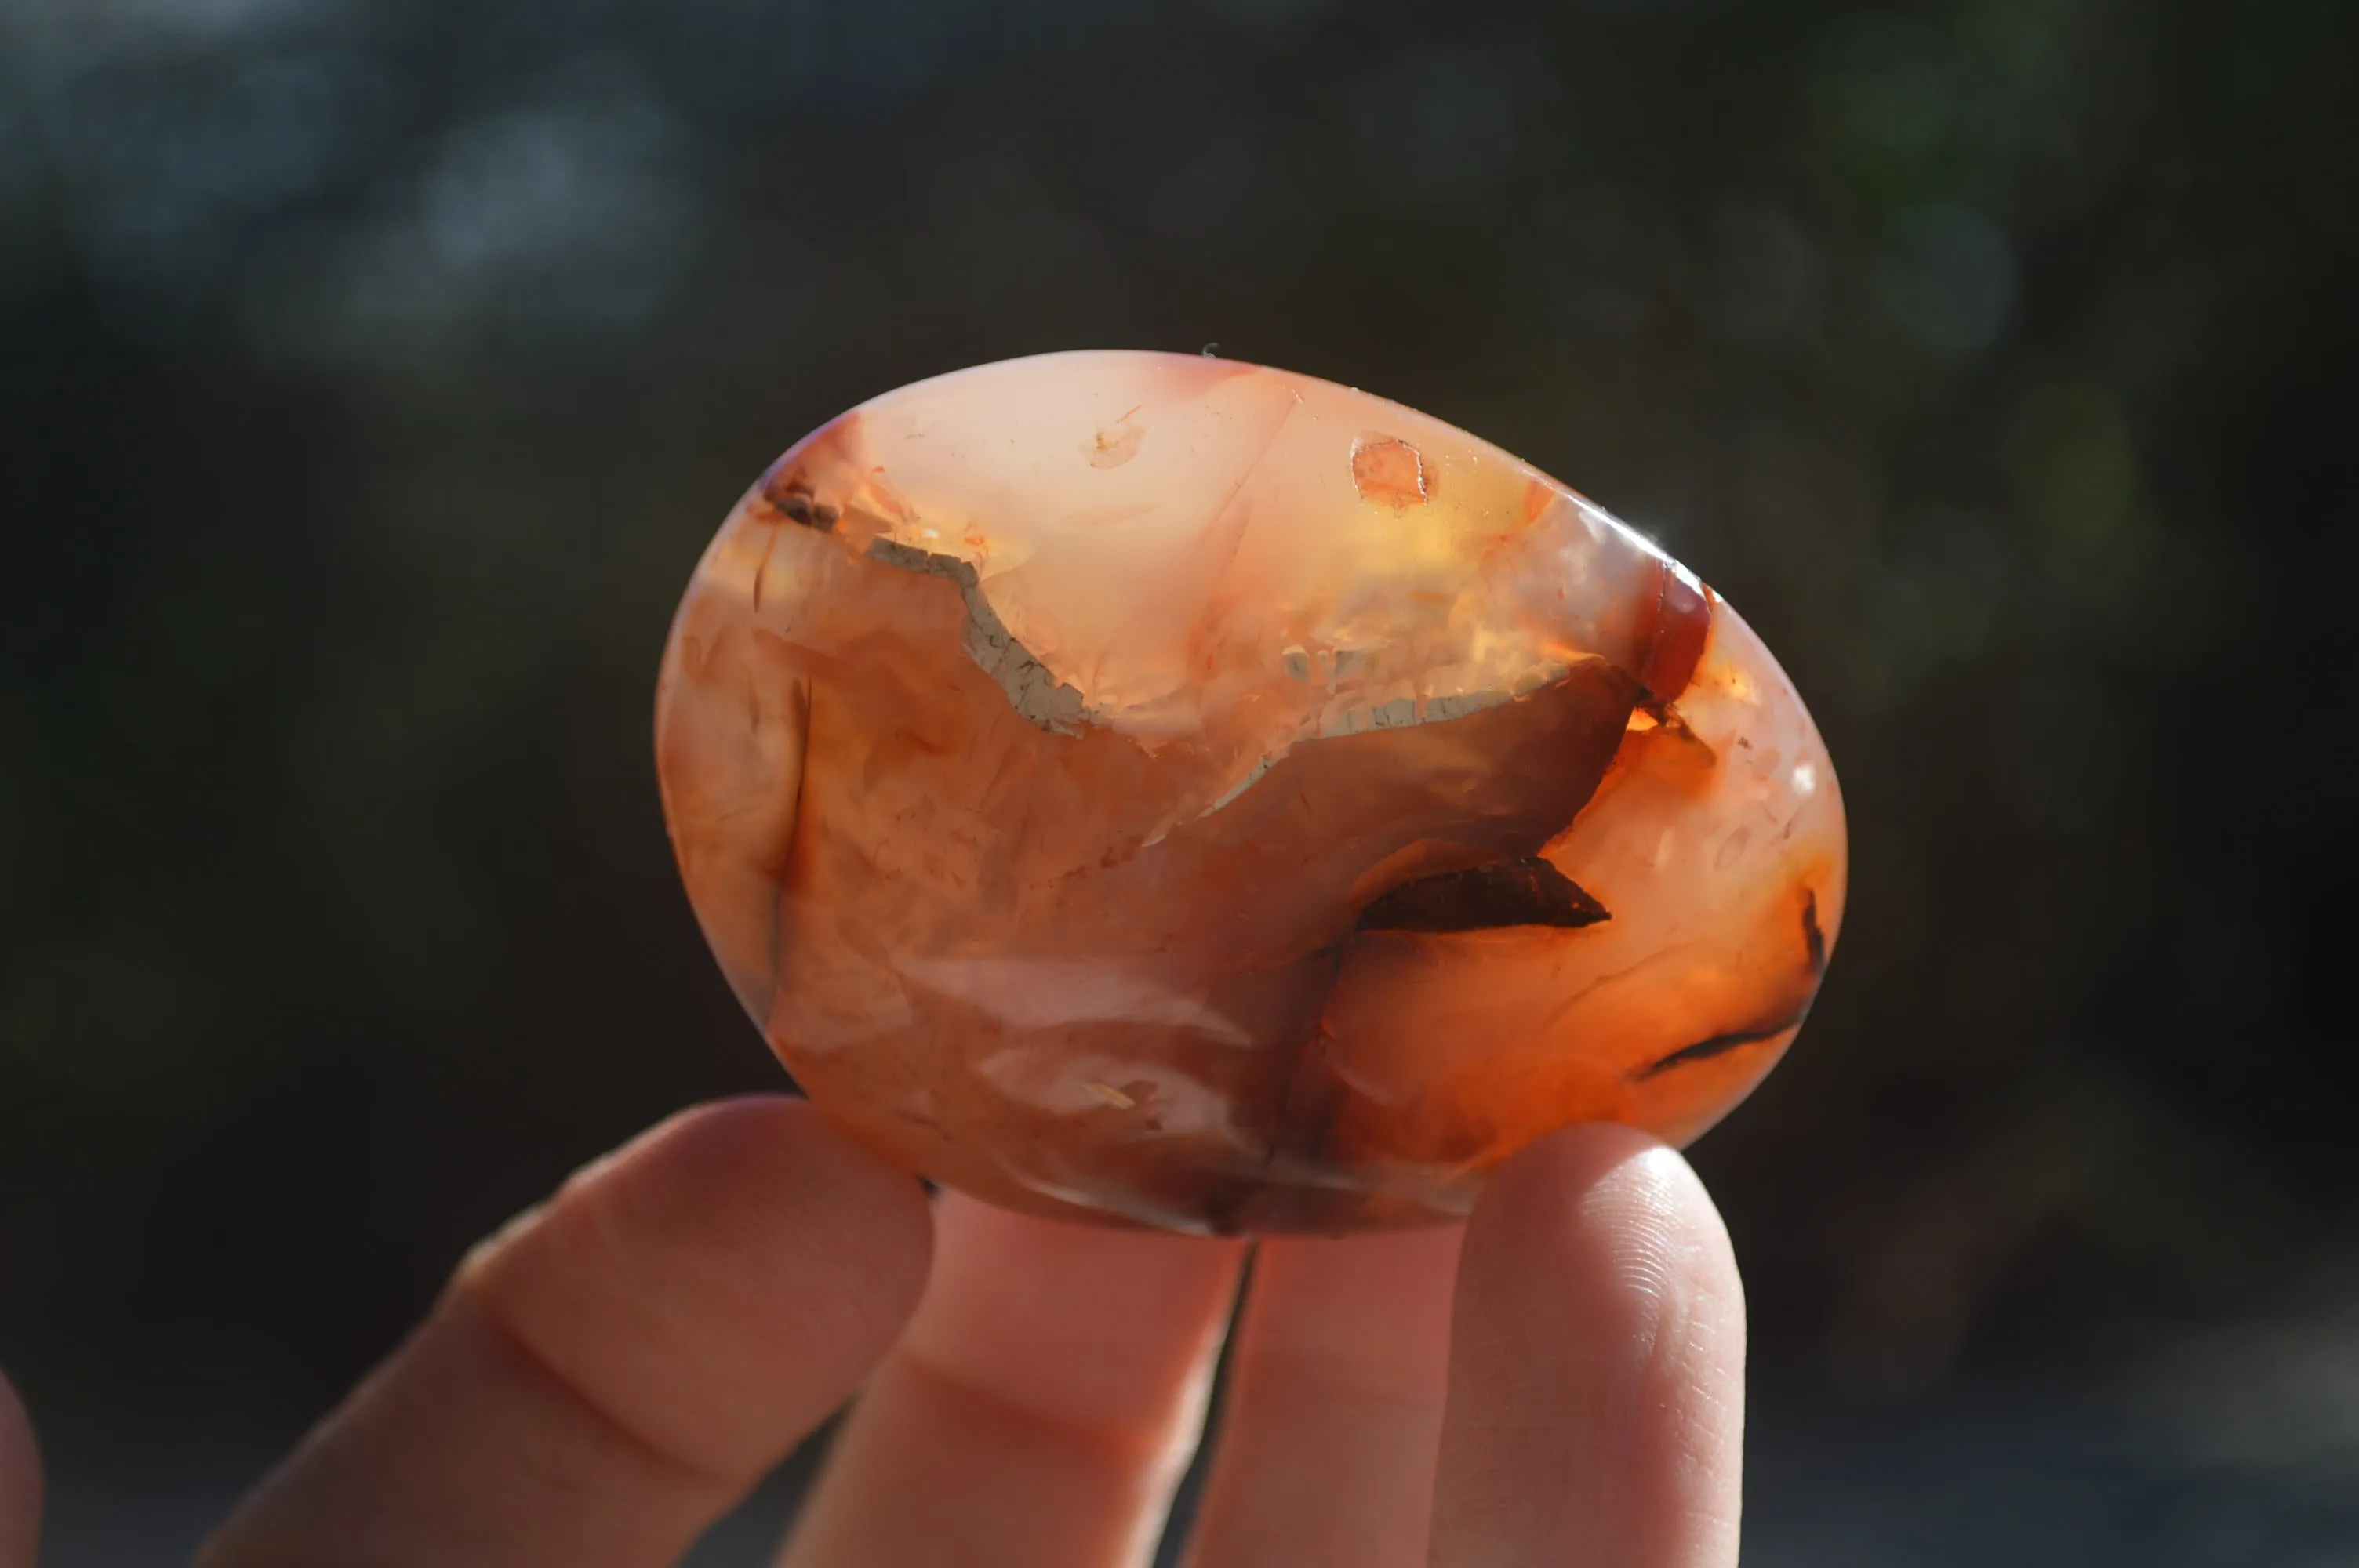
{"x":1040,"y":1408}
{"x":610,"y":1373}
{"x":1333,"y":1409}
{"x":20,"y":1482}
{"x":1596,"y":1407}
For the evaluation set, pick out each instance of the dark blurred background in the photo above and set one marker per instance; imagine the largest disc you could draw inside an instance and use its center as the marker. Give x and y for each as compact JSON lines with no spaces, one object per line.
{"x":371,"y":377}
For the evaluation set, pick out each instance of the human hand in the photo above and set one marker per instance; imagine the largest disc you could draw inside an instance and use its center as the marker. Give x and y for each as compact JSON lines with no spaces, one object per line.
{"x":609,"y":1374}
{"x":20,"y":1484}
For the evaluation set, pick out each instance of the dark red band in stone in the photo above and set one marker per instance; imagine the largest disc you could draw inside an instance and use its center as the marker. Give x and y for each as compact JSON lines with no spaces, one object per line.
{"x":1682,"y":626}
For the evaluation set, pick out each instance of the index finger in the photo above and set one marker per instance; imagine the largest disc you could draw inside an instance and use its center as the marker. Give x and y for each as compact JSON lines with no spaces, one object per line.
{"x":610,"y":1374}
{"x":1596,"y":1405}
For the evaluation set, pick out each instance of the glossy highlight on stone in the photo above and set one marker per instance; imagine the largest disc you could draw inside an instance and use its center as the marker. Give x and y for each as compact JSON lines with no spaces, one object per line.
{"x":1157,"y":788}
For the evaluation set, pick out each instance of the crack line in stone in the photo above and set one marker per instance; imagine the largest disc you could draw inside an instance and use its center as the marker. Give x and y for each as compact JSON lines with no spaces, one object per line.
{"x":1719,"y":1045}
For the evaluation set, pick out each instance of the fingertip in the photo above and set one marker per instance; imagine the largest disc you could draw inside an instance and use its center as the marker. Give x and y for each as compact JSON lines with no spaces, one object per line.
{"x":20,"y":1482}
{"x":726,"y":1176}
{"x":1596,"y":1397}
{"x":1601,"y":1184}
{"x":1603,"y":1224}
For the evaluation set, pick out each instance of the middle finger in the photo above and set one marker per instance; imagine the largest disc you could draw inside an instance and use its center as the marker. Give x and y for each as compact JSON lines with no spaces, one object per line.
{"x":1039,"y":1409}
{"x":1334,"y":1414}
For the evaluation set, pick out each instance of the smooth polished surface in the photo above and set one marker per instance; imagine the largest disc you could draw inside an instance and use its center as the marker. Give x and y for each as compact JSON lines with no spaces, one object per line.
{"x":1164,"y":788}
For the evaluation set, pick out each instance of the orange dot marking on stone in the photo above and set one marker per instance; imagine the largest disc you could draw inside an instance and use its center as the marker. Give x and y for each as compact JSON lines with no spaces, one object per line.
{"x":1389,"y":471}
{"x":1114,"y":444}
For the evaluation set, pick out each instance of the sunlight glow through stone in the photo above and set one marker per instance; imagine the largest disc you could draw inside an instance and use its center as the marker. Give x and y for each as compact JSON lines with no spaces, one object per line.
{"x":1154,"y":787}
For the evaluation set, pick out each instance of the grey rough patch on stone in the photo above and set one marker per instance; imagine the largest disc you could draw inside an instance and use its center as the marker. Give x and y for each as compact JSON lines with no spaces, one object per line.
{"x":1400,"y":713}
{"x":1404,"y":713}
{"x":1040,"y":698}
{"x":1440,"y":709}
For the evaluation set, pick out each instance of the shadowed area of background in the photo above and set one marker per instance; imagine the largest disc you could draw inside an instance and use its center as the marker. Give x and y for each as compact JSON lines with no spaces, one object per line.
{"x":371,"y":377}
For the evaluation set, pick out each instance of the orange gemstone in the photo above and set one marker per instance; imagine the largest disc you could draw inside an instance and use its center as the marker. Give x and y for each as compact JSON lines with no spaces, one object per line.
{"x":1154,"y":787}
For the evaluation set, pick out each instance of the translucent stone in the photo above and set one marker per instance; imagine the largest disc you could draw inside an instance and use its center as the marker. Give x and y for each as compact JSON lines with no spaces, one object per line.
{"x":1154,"y":788}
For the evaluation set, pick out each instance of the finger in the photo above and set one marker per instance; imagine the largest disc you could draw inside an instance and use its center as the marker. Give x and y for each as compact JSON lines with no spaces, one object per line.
{"x":1039,"y":1409}
{"x":20,"y":1482}
{"x":607,"y":1375}
{"x":1596,"y":1407}
{"x":1333,"y":1411}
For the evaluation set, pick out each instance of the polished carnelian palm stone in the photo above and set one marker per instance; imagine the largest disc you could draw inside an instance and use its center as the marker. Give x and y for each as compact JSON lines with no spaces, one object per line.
{"x":1169,"y":790}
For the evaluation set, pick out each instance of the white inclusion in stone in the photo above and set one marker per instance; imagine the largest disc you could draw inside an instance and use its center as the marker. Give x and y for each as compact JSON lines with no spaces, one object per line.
{"x":1049,"y":993}
{"x":1243,"y":785}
